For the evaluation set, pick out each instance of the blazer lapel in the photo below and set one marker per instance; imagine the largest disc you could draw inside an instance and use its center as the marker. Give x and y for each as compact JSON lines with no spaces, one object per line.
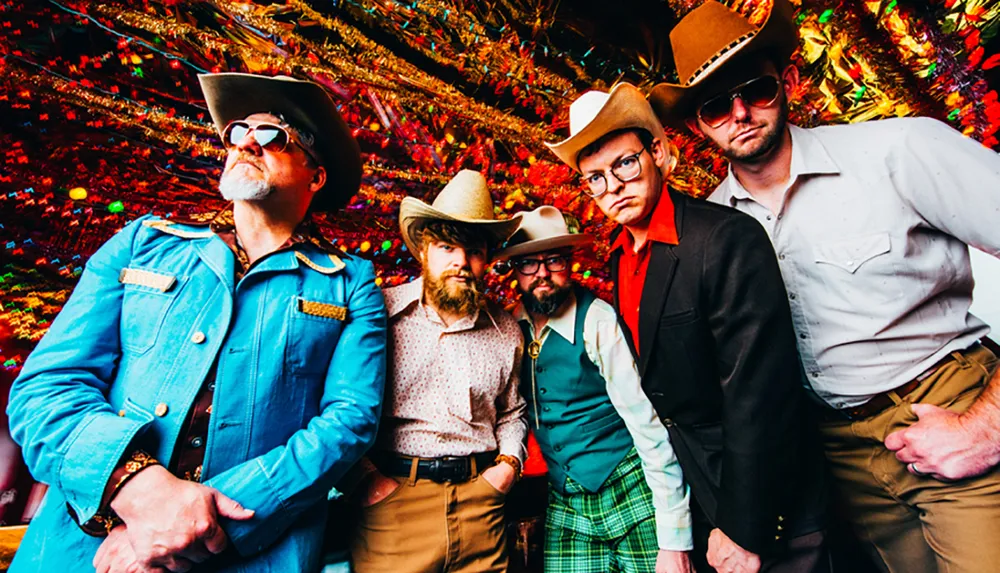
{"x":659,"y":276}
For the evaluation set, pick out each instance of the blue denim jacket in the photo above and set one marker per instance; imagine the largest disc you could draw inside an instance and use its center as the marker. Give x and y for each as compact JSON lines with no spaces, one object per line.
{"x":300,"y":343}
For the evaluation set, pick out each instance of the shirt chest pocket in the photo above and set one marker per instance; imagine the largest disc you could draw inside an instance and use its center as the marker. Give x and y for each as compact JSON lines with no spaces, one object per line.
{"x":148,"y":296}
{"x":314,"y":328}
{"x":861,"y":265}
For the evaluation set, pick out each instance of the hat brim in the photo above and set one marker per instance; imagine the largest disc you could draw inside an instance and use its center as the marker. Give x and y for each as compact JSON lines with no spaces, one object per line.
{"x":625,"y":108}
{"x":574,"y":241}
{"x":413,"y":213}
{"x":303,"y":104}
{"x":674,"y":103}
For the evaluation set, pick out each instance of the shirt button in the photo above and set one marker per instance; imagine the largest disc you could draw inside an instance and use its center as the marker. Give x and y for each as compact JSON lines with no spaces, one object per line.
{"x":791,"y":295}
{"x":781,"y":256}
{"x":802,"y":336}
{"x":815,"y":374}
{"x":768,"y":217}
{"x":198,"y":337}
{"x":197,"y":442}
{"x":779,"y":216}
{"x":161,"y":409}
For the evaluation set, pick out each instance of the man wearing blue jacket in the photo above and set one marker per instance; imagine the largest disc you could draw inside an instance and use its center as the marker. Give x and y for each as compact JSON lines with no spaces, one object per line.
{"x":212,"y":376}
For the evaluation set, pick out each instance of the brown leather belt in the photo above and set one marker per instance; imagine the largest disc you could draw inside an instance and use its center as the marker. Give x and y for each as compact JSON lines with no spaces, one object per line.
{"x":881,"y":401}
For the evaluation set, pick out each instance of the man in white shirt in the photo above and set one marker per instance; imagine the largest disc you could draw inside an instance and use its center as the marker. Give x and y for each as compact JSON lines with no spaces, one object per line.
{"x":617,"y":501}
{"x":872,"y":224}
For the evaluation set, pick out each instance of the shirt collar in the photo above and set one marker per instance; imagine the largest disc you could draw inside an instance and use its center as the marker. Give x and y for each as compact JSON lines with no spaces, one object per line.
{"x":563,"y":322}
{"x":662,"y":226}
{"x":809,"y":157}
{"x":404,"y":297}
{"x":222,"y":223}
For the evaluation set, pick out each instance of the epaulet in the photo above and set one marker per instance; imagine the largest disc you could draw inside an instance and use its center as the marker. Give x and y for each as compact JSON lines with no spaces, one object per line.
{"x":334,"y":260}
{"x":167,"y":227}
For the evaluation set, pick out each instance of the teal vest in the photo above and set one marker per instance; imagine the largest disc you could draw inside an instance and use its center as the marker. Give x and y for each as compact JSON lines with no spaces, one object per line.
{"x":580,"y":433}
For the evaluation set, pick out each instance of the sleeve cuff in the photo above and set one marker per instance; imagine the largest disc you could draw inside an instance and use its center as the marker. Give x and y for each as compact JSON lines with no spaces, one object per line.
{"x":673,"y":532}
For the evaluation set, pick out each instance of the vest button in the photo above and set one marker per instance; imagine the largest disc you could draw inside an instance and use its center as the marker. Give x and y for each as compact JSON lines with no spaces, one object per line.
{"x":542,"y":390}
{"x":546,"y":409}
{"x":549,"y":426}
{"x":558,"y":448}
{"x":540,"y":369}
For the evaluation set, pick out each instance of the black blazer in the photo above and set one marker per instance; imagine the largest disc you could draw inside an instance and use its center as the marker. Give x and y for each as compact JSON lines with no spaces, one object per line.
{"x":719,"y":362}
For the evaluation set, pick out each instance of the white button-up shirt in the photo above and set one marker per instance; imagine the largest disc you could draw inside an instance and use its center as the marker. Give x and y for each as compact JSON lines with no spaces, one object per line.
{"x":871,"y":237}
{"x":605,"y":344}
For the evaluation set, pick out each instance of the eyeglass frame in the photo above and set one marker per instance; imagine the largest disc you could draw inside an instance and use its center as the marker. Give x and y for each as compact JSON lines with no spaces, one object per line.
{"x":292,"y":135}
{"x":736,"y":92}
{"x":515,"y":264}
{"x":586,"y":185}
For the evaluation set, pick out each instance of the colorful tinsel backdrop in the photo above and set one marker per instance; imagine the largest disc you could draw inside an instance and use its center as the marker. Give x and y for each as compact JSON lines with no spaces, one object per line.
{"x":101,"y":118}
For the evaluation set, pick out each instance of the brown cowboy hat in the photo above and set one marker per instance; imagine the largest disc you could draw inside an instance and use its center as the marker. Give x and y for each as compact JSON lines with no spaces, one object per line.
{"x":596,"y":114}
{"x":708,"y":37}
{"x":304,"y":105}
{"x":465,"y":199}
{"x":543,"y":229}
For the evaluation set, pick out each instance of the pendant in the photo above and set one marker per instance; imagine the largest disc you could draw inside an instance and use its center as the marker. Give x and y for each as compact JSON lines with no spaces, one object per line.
{"x":534,"y":349}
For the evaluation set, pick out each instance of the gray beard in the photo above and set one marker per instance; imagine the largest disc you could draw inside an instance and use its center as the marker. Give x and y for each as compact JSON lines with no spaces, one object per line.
{"x":235,"y":186}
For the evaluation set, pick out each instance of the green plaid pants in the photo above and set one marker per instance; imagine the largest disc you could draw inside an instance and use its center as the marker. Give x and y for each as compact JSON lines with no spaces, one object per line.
{"x":611,"y":530}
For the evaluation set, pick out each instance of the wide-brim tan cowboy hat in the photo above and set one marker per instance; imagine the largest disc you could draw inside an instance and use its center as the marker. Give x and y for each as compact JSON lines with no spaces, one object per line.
{"x":543,"y":229}
{"x":304,"y":105}
{"x":465,"y":199}
{"x":596,"y":114}
{"x":707,"y":38}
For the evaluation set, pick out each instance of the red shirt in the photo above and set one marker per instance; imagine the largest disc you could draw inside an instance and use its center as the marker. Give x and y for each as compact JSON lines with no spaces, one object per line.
{"x":632,"y":265}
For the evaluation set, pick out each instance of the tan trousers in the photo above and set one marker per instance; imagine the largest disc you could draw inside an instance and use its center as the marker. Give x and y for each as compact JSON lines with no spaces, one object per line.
{"x":918,"y":524}
{"x":426,"y":527}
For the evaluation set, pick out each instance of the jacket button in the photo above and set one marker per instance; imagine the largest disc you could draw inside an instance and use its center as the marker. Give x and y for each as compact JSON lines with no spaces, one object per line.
{"x":777,"y":538}
{"x":197,"y":442}
{"x":198,"y":337}
{"x":161,"y":410}
{"x":780,"y":528}
{"x":121,"y":413}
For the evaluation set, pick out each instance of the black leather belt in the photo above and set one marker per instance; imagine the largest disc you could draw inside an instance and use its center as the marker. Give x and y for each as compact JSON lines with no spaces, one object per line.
{"x":448,"y":469}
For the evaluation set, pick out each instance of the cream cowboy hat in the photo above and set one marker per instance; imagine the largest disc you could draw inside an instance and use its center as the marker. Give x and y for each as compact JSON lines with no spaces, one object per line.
{"x":708,"y":37}
{"x":543,"y":229}
{"x":305,"y":105}
{"x":465,"y":199}
{"x":596,"y":114}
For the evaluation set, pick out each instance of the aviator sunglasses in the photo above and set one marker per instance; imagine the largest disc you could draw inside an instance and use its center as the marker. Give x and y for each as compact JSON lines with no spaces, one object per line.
{"x":760,"y":92}
{"x":270,"y":136}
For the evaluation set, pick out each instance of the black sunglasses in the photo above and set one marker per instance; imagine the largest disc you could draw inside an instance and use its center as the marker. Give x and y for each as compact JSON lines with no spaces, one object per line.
{"x":553,"y":264}
{"x":759,"y":92}
{"x":270,"y":136}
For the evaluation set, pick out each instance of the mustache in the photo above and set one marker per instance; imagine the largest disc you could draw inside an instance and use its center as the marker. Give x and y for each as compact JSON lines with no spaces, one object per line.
{"x":541,"y":282}
{"x":249,"y":159}
{"x":463,"y":274}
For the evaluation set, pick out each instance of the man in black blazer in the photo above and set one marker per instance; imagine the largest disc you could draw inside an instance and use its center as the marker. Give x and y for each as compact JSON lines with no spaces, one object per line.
{"x":700,"y":297}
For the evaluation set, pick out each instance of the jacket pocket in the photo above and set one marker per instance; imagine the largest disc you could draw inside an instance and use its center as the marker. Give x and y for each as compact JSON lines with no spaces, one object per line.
{"x":147,"y":298}
{"x":313,"y":330}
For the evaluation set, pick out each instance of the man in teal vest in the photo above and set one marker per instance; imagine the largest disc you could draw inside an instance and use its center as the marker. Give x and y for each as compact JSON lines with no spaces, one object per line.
{"x":617,"y":499}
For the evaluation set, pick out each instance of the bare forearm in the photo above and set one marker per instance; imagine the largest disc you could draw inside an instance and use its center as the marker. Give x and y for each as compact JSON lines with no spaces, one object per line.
{"x":983,"y":417}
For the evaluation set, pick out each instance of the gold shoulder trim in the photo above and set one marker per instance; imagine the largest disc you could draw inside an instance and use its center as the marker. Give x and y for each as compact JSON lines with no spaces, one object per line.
{"x":166,"y":227}
{"x":337,"y":263}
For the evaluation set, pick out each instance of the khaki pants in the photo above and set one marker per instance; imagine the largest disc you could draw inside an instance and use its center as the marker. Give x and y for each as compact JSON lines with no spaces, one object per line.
{"x":918,"y":524}
{"x":425,"y":527}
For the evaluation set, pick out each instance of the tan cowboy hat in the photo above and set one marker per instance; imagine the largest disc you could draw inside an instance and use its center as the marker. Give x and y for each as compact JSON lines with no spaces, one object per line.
{"x":304,"y":105}
{"x":543,"y":229}
{"x":465,"y":199}
{"x":596,"y":114}
{"x":708,"y":37}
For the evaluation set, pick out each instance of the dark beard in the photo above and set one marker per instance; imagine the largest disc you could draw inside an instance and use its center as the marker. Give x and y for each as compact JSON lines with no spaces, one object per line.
{"x":462,"y":299}
{"x":770,"y":140}
{"x":549,"y":304}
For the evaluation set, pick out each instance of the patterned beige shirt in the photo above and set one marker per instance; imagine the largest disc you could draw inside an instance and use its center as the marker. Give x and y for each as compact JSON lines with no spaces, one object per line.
{"x":452,"y":390}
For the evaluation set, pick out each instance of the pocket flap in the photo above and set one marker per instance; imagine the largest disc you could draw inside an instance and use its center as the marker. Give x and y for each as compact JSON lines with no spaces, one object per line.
{"x":148,"y":279}
{"x":850,"y":254}
{"x":322,"y":309}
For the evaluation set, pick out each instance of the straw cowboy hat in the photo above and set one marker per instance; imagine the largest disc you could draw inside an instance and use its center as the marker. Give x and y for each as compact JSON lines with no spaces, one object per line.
{"x":465,"y":199}
{"x":708,"y":37}
{"x":596,"y":114}
{"x":303,"y":104}
{"x":543,"y":229}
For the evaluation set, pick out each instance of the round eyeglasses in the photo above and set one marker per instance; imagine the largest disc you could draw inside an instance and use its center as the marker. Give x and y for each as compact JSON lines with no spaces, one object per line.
{"x":626,"y":169}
